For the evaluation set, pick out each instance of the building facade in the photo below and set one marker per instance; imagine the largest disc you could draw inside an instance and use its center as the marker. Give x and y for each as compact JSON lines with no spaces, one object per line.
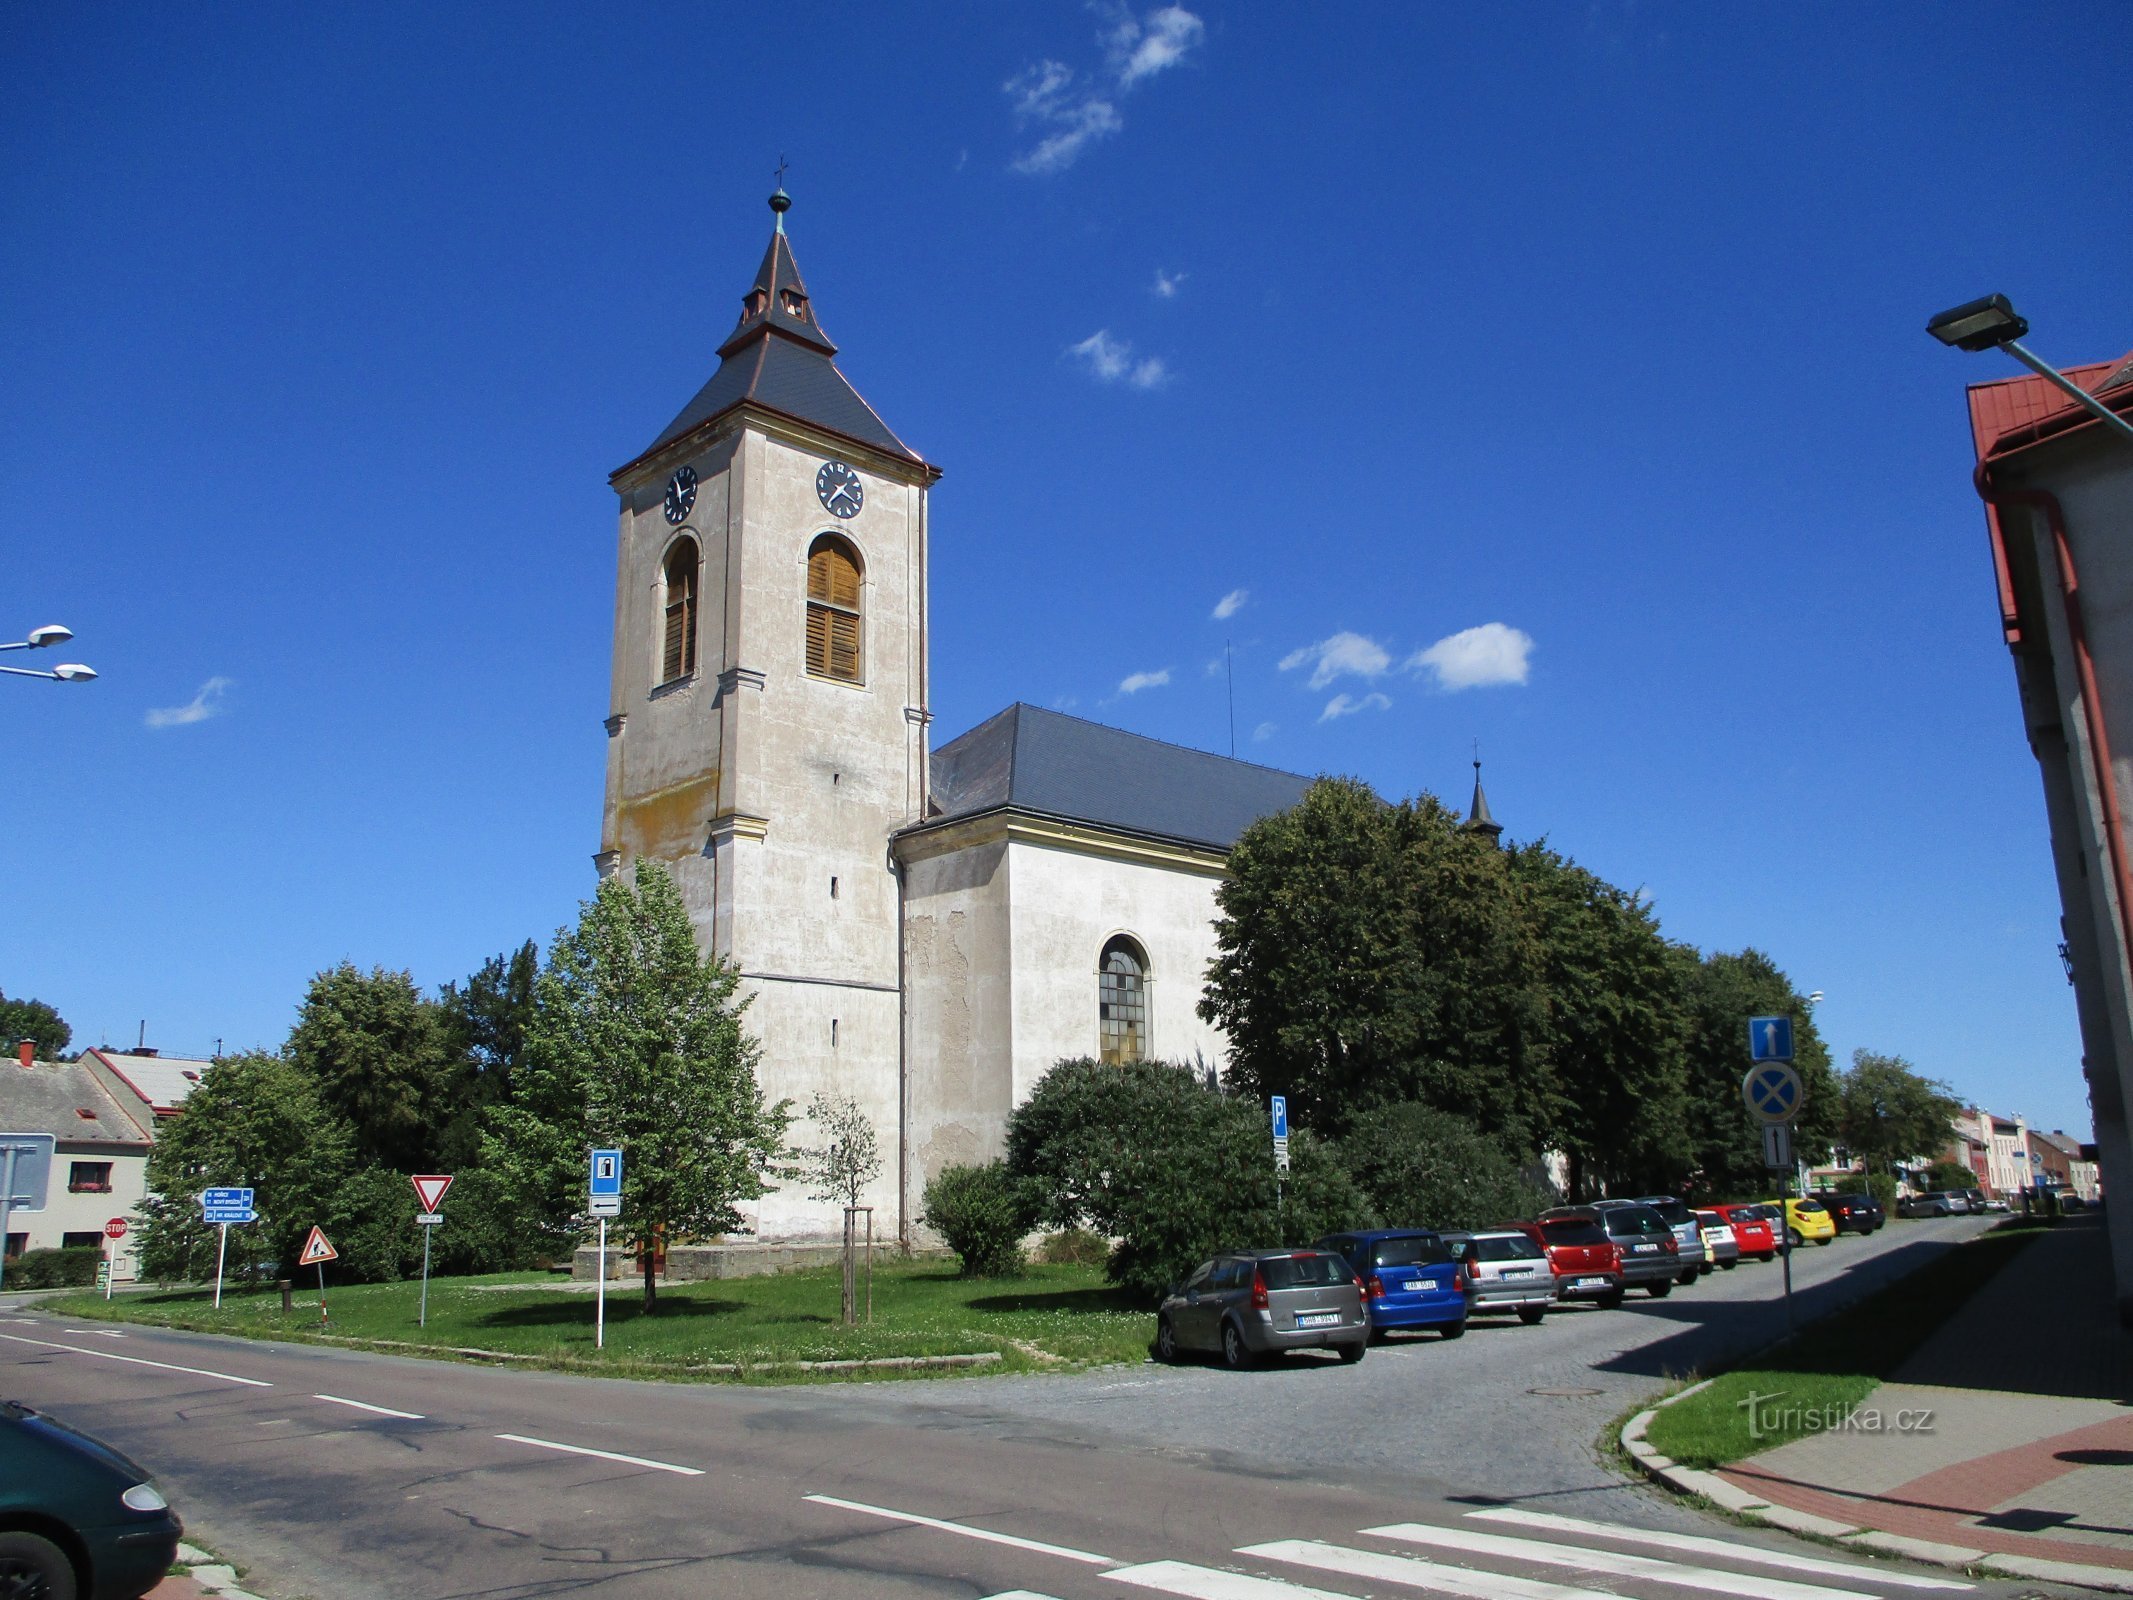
{"x":100,"y":1164}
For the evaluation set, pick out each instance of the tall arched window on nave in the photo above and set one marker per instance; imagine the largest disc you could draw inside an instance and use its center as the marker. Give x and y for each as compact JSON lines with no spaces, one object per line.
{"x":678,"y":580}
{"x":833,"y":617}
{"x":1122,"y":1003}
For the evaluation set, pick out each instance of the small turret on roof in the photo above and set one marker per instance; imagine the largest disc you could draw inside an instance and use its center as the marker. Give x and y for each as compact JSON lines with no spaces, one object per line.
{"x":1478,"y":819}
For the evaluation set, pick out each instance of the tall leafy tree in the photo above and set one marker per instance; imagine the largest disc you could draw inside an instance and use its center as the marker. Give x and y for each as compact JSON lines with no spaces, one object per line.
{"x":489,"y":1018}
{"x":636,"y":1040}
{"x":35,"y":1021}
{"x":382,"y":1056}
{"x":1723,"y":992}
{"x":1893,"y":1113}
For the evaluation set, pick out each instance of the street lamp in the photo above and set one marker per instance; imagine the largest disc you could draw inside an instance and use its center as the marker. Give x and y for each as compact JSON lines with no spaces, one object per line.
{"x":1993,"y":324}
{"x":40,"y":638}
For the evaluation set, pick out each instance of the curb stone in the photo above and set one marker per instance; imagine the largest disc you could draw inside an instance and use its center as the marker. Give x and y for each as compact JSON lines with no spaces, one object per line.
{"x":1709,"y":1486}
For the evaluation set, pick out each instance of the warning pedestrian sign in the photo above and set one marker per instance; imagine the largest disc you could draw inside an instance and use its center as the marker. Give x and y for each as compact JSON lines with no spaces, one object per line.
{"x":317,"y":1248}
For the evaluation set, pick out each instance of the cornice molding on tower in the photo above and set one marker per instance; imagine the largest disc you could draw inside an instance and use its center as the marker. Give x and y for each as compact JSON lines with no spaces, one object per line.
{"x":733,"y":825}
{"x":927,"y":840}
{"x":778,"y":425}
{"x":734,"y":679}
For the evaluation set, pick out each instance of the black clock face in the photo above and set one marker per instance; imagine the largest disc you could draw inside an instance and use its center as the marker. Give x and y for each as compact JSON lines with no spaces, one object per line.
{"x":837,"y":487}
{"x":681,"y":494}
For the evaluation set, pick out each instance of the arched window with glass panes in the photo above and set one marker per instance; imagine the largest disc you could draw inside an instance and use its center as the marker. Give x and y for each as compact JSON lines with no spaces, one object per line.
{"x":1122,"y":1003}
{"x":833,"y":610}
{"x":677,"y":580}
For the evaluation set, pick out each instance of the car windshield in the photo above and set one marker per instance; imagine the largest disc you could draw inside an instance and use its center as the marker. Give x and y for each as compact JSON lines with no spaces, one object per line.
{"x":1673,"y":1210}
{"x":1635,"y":1220}
{"x":1505,"y":1247}
{"x":1303,"y":1272}
{"x":1804,"y":1204}
{"x":1574,"y":1230}
{"x":1753,"y":1213}
{"x":1710,"y":1219}
{"x":1412,"y":1250}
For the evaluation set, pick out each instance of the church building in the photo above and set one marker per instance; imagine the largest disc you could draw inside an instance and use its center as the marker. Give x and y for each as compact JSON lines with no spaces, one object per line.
{"x":927,"y":931}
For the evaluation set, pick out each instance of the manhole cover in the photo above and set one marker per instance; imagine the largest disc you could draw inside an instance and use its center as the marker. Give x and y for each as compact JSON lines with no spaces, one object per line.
{"x":1565,"y":1394}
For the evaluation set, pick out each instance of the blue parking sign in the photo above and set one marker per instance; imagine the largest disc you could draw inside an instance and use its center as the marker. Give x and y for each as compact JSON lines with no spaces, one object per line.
{"x":1770,"y":1038}
{"x":1280,"y":1106}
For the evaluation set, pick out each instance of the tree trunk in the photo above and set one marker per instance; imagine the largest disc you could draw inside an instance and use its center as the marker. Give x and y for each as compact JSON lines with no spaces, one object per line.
{"x":650,"y":1258}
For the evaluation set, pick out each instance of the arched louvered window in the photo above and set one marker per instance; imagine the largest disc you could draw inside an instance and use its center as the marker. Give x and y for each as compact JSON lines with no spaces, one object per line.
{"x":833,"y":612}
{"x":1122,"y":1003}
{"x":677,"y":653}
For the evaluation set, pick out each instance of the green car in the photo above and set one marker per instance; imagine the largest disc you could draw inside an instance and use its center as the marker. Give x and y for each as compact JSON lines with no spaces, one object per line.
{"x":78,"y":1521}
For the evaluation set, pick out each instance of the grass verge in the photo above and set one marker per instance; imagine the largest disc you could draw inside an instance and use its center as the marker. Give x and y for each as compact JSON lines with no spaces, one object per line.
{"x":1808,"y":1384}
{"x":1051,"y":1318}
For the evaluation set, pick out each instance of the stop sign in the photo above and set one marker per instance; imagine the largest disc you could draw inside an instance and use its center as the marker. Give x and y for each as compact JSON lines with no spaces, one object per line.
{"x":115,"y":1228}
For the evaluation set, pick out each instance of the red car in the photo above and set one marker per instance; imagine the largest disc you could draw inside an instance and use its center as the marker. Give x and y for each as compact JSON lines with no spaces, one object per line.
{"x":1586,"y":1263}
{"x":1752,"y":1226}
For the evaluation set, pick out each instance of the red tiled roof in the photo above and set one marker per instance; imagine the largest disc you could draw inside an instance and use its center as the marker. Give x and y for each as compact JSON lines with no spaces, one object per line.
{"x":2006,"y":404}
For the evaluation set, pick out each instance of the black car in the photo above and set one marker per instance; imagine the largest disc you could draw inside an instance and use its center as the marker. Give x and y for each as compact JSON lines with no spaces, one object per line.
{"x":76,"y":1517}
{"x":1854,"y":1213}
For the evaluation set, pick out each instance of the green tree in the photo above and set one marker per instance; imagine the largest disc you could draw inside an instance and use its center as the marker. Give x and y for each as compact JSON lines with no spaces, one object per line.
{"x":489,"y":1017}
{"x":1616,"y":1026}
{"x":381,"y":1055}
{"x":983,"y":1212}
{"x":636,"y":1041}
{"x":36,"y":1021}
{"x":1370,"y":954}
{"x":1890,"y":1112}
{"x":841,"y":1167}
{"x":1422,"y":1168}
{"x":1723,"y":992}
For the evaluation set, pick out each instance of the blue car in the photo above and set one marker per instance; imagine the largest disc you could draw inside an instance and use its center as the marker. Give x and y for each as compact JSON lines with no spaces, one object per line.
{"x":1409,"y":1279}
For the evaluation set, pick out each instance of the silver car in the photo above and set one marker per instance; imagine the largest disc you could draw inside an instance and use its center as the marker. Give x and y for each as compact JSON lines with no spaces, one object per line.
{"x":1695,"y":1260}
{"x":1504,"y":1270}
{"x":1253,"y":1303}
{"x":1719,"y":1243}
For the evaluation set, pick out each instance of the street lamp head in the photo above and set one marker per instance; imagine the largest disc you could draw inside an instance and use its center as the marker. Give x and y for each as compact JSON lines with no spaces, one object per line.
{"x":50,"y":633}
{"x":1815,"y":999}
{"x":1979,"y":324}
{"x":73,"y":672}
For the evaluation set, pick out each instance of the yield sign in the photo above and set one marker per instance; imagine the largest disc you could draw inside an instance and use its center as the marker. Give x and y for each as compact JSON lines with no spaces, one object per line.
{"x":317,"y":1248}
{"x":430,"y":1187}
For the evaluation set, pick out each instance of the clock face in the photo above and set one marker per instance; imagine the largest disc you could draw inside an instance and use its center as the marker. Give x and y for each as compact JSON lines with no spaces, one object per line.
{"x":681,"y":494}
{"x":837,"y":486}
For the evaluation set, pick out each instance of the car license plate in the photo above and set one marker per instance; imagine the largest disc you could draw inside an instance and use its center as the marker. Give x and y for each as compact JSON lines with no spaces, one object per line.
{"x":1644,"y":1249}
{"x":1592,"y":1283}
{"x":1317,"y":1319}
{"x":1518,"y":1272}
{"x":1415,"y":1285}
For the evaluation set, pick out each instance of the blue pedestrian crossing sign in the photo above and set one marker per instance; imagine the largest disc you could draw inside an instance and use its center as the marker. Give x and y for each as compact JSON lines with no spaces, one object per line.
{"x":1773,"y":1092}
{"x":1280,"y":1106}
{"x":1770,"y":1038}
{"x":606,"y":1173}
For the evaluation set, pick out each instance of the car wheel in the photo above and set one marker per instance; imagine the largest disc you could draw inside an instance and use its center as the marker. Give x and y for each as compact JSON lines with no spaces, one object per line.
{"x":1830,"y":1240}
{"x":1350,"y":1354}
{"x":1792,"y":1237}
{"x":1530,"y":1315}
{"x":1453,"y":1330}
{"x":1688,"y":1278}
{"x":1236,"y":1354}
{"x":1610,"y":1301}
{"x":1166,"y":1341}
{"x":34,"y":1568}
{"x":1659,"y":1290}
{"x":1730,"y":1265}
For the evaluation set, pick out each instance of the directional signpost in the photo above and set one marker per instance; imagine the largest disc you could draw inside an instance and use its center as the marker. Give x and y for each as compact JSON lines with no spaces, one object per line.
{"x":429,"y":1189}
{"x":25,"y":1170}
{"x":604,"y":1192}
{"x":317,"y":1251}
{"x":220,"y":1208}
{"x":1773,"y":1093}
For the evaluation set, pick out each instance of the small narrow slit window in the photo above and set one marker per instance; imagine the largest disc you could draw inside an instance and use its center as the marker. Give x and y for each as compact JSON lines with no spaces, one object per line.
{"x":1122,"y":1003}
{"x":833,"y":610}
{"x":678,"y":644}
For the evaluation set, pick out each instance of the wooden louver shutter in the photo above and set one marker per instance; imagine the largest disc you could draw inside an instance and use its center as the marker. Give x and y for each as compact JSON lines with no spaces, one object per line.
{"x":833,"y":620}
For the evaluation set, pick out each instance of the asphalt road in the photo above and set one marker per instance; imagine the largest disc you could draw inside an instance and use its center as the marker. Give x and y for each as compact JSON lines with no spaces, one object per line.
{"x":347,"y":1476}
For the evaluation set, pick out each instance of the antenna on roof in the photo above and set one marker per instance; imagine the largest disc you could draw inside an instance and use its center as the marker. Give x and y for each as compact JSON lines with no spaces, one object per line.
{"x":1230,"y":672}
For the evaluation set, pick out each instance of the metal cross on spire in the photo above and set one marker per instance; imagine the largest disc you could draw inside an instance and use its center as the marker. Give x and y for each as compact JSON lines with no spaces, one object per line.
{"x":780,"y":173}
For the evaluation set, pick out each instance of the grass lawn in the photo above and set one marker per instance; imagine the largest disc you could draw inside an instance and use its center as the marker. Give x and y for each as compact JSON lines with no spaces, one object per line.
{"x":1833,"y":1365}
{"x":1052,"y":1317}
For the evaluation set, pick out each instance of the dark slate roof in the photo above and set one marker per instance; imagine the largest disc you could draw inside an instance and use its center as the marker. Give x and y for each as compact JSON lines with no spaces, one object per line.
{"x":1060,"y":766}
{"x":778,"y":357}
{"x":51,"y":1097}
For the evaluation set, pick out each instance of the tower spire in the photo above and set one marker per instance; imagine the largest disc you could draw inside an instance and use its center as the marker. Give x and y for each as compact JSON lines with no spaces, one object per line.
{"x":1478,"y":819}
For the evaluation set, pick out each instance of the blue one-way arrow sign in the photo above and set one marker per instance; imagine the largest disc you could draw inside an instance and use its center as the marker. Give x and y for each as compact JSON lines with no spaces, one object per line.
{"x":1770,"y":1038}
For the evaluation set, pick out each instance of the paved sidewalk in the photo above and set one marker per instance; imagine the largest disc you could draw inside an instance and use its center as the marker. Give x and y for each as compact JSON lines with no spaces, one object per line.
{"x":2009,"y":1433}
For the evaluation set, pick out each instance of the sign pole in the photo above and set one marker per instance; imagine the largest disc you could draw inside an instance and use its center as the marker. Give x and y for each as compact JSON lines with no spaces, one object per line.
{"x":222,"y":1247}
{"x":1785,"y":1216}
{"x":7,"y":1201}
{"x":600,"y":1302}
{"x":422,"y":1317}
{"x":111,"y":1262}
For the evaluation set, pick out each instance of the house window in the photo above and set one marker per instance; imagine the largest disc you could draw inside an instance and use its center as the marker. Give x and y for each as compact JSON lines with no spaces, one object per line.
{"x":93,"y":1240}
{"x":1122,"y":1003}
{"x":833,"y":610}
{"x":16,"y":1244}
{"x":89,"y":1177}
{"x":677,"y":657}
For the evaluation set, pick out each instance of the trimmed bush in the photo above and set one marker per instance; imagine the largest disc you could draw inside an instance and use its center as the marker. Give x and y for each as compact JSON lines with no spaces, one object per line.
{"x":1878,"y":1184}
{"x":1422,"y":1168}
{"x":983,"y":1213}
{"x":1073,"y":1247}
{"x":54,"y":1269}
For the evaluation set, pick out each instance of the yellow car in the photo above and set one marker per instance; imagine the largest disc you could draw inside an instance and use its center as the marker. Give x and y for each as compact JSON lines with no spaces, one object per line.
{"x":1808,"y":1219}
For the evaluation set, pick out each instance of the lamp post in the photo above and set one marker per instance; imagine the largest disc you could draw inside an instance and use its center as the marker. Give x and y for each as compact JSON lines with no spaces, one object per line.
{"x":1994,"y":324}
{"x":41,"y":638}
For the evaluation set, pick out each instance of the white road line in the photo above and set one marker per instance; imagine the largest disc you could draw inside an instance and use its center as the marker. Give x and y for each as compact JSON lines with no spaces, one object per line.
{"x":1020,"y":1594}
{"x":140,"y":1361}
{"x":1585,"y":1559}
{"x":1415,"y":1573}
{"x":383,"y":1411}
{"x":1212,"y":1583}
{"x":1087,"y":1557}
{"x":604,"y":1455}
{"x":1699,"y":1545}
{"x":109,"y":1333}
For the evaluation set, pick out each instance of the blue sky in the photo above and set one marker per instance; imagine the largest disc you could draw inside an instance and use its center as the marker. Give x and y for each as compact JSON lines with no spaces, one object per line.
{"x":1595,"y":328}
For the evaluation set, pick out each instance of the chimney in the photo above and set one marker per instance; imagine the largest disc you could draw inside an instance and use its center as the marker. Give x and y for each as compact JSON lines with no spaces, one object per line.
{"x":27,"y":1050}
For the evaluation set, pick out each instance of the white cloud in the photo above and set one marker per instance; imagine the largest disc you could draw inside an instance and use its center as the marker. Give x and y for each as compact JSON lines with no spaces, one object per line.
{"x":1345,"y":705}
{"x":1216,"y":667}
{"x":1134,"y":683}
{"x":1167,"y":283}
{"x":1155,"y":43}
{"x":1264,"y":732}
{"x":1111,"y":361}
{"x":1230,"y":604}
{"x":207,"y":703}
{"x":1344,"y":653}
{"x":1476,"y":658}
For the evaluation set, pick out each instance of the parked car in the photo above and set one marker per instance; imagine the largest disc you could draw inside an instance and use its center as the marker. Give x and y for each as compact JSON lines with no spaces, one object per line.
{"x":1650,"y":1255}
{"x":1934,"y":1203}
{"x":1754,"y":1229}
{"x":1409,"y":1279}
{"x":1585,"y":1262}
{"x":76,"y":1517}
{"x":1253,"y":1303}
{"x":1695,"y":1260}
{"x":1719,"y":1245}
{"x":1853,"y":1213}
{"x":1979,"y":1204}
{"x":1806,"y":1221}
{"x":1504,"y":1271}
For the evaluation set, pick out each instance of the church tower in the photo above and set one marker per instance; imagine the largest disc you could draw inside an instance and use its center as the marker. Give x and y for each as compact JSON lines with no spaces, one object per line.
{"x":767,"y":727}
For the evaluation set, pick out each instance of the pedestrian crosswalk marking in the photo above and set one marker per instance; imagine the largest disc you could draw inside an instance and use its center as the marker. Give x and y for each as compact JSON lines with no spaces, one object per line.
{"x":1416,"y":1573}
{"x":1609,"y":1561}
{"x":1699,"y":1544}
{"x":1212,"y":1583}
